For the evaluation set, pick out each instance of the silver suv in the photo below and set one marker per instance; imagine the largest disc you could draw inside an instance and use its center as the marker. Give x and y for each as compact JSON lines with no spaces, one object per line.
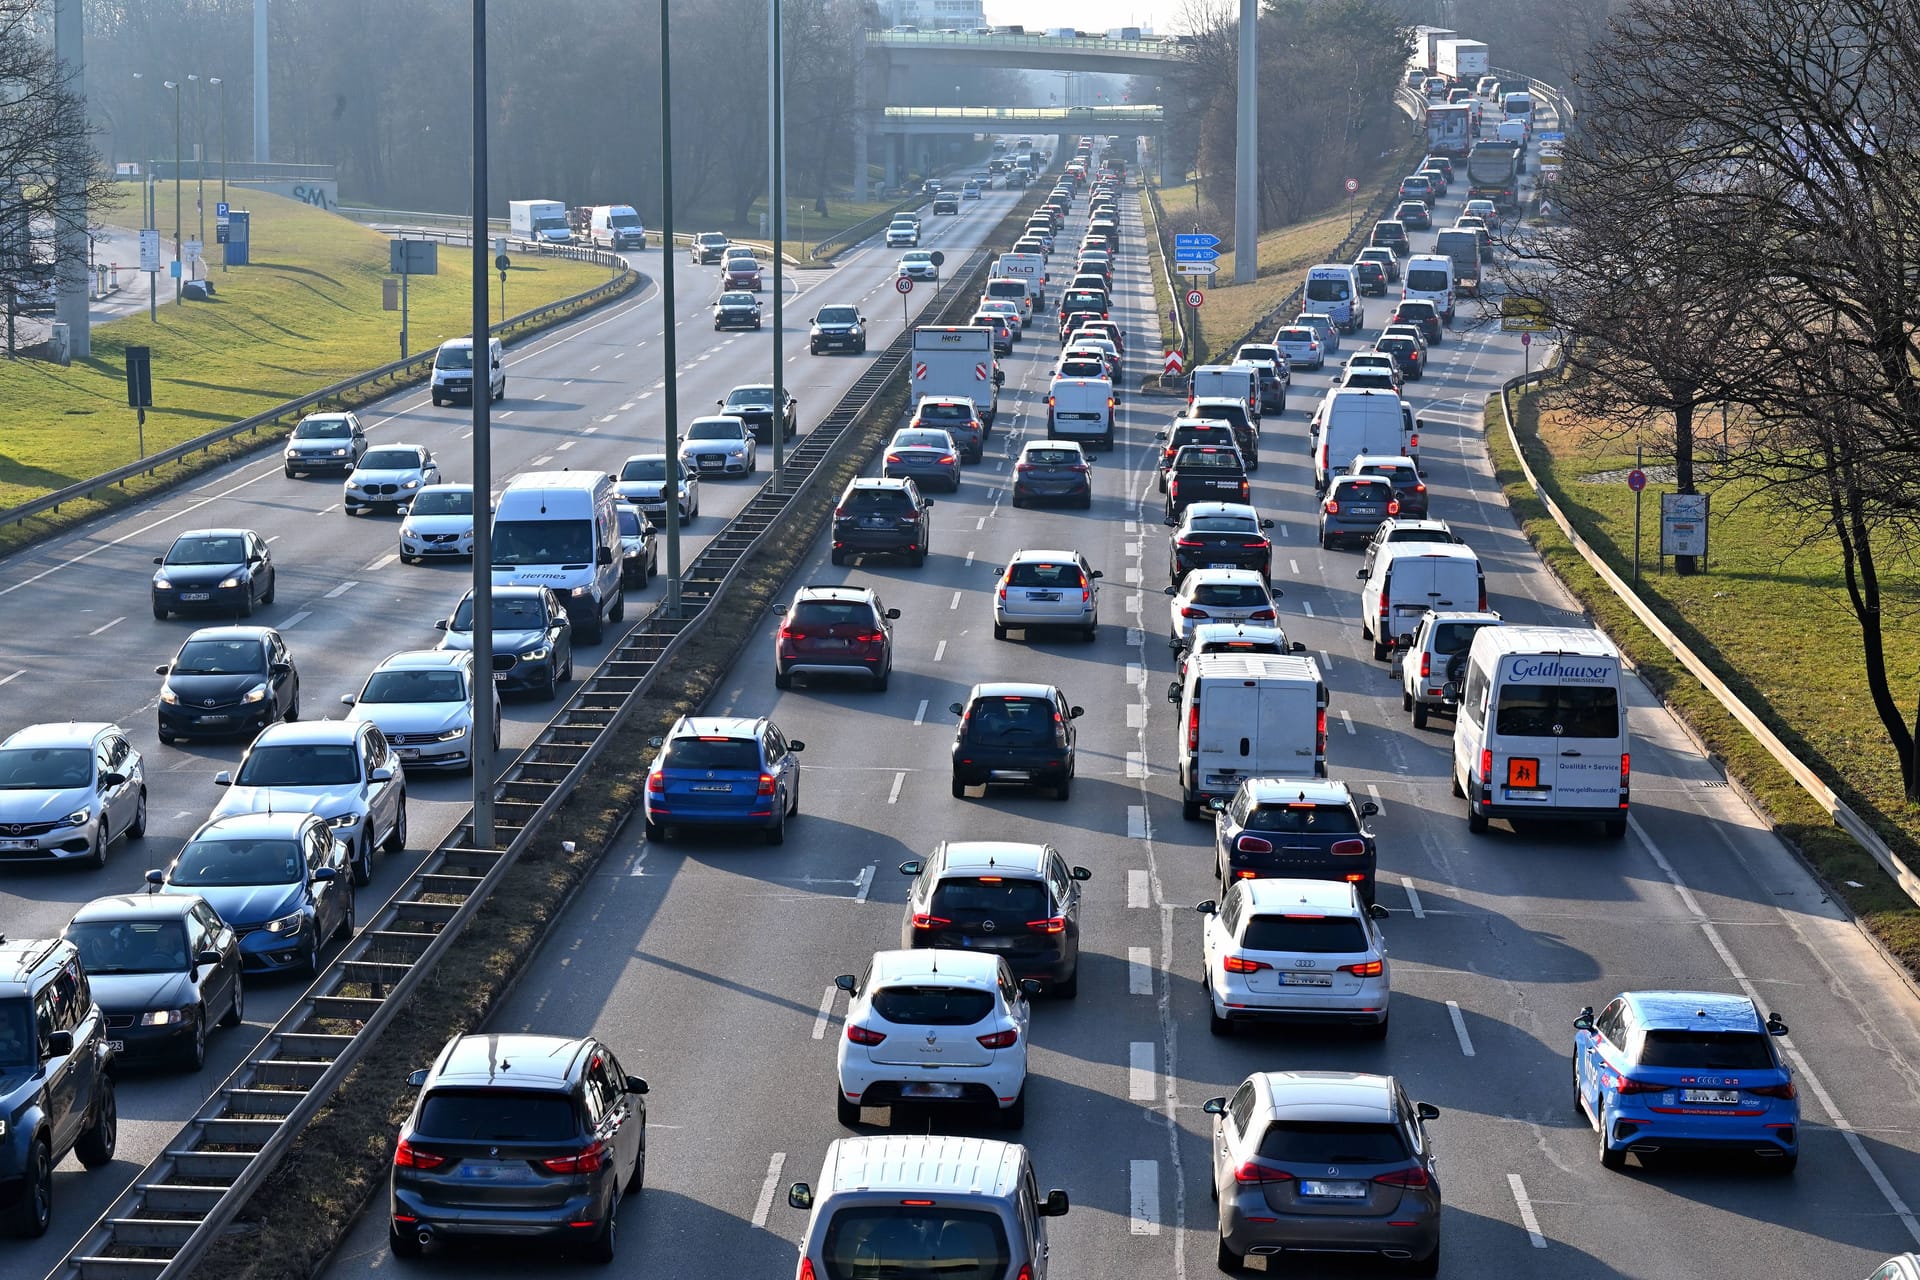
{"x":69,"y":790}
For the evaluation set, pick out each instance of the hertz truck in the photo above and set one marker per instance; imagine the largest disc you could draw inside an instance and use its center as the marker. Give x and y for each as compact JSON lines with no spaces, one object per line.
{"x":955,"y":360}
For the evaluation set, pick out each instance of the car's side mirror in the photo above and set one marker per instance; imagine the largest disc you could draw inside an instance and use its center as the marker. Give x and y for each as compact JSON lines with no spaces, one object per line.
{"x":1030,"y":987}
{"x":206,"y":957}
{"x":224,"y":778}
{"x":155,"y":879}
{"x":1266,"y":523}
{"x":159,"y":559}
{"x":440,"y":625}
{"x":1217,"y":804}
{"x":1169,"y":591}
{"x":1584,"y":1022}
{"x":382,"y":774}
{"x":346,"y":699}
{"x":925,"y":503}
{"x":1377,"y":912}
{"x":1426,"y":1111}
{"x":112,"y":779}
{"x":956,"y":708}
{"x":635,"y":1084}
{"x":281,"y":669}
{"x":892,"y":614}
{"x":1173,"y":692}
{"x":800,"y":1196}
{"x":1775,"y":1027}
{"x":163,"y":668}
{"x":1207,"y":908}
{"x":1098,"y":573}
{"x":1081,"y":873}
{"x":1214,"y":1106}
{"x":848,"y":983}
{"x":912,"y":867}
{"x":1296,"y":646}
{"x":1074,"y":713}
{"x":59,"y":1044}
{"x":1419,"y":424}
{"x":1054,"y":1206}
{"x":1361,"y":575}
{"x":794,"y":744}
{"x":720,"y":403}
{"x":604,"y":556}
{"x":417,"y":1077}
{"x":320,"y":875}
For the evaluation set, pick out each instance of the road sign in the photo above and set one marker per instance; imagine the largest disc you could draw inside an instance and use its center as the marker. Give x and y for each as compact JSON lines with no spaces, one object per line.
{"x":221,"y":210}
{"x":1196,"y":268}
{"x":1174,"y":364}
{"x":1196,"y":240}
{"x":413,"y":257}
{"x":1523,"y":315}
{"x":1683,"y":524}
{"x":1195,"y":298}
{"x":150,"y":249}
{"x":191,"y":249}
{"x":1636,"y":479}
{"x":139,"y":377}
{"x":937,"y":258}
{"x":1352,"y":185}
{"x":1550,"y":135}
{"x":221,"y":230}
{"x":1195,"y":255}
{"x":904,"y":285}
{"x":1526,"y":339}
{"x":501,"y":262}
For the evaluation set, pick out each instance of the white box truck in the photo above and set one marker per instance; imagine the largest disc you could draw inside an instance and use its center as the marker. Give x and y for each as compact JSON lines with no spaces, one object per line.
{"x":956,"y":360}
{"x":1248,"y":716}
{"x":1426,"y":42}
{"x":1462,"y":62}
{"x":541,"y":220}
{"x":1355,"y":420}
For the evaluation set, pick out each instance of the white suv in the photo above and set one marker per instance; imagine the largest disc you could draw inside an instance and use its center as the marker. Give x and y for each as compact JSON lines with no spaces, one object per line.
{"x":1439,"y":643}
{"x":1295,"y":951}
{"x":903,"y":233}
{"x":935,"y":1026}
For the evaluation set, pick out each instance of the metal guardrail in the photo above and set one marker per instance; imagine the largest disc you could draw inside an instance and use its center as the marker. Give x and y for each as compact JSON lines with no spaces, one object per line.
{"x":416,"y":220}
{"x":397,"y":371}
{"x":1066,"y":117}
{"x":178,"y":1206}
{"x":1166,"y":47}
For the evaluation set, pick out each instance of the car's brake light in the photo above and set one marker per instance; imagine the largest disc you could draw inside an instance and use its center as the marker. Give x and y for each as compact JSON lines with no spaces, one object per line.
{"x":806,"y":1269}
{"x":1240,"y":964}
{"x":788,"y":633}
{"x":922,"y":920}
{"x":1426,"y":666}
{"x":1190,"y":612}
{"x":1190,"y":542}
{"x":1052,"y":924}
{"x":1333,"y":506}
{"x":656,"y":783}
{"x":766,"y":784}
{"x":407,"y":1156}
{"x":1414,"y":1177}
{"x":1627,"y":1084}
{"x":946,"y":457}
{"x":1193,"y":727}
{"x":1251,"y":1173}
{"x":1348,"y":848}
{"x":999,"y":1039}
{"x":1253,"y":844}
{"x":862,"y":1035}
{"x":1262,"y":615}
{"x":586,"y":1160}
{"x":1486,"y":768}
{"x":1364,"y":969}
{"x":1261,"y":545}
{"x":1772,"y":1090}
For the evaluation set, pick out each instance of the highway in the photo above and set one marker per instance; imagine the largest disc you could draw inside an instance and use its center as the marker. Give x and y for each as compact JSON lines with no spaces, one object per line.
{"x":585,"y":396}
{"x":708,"y":963}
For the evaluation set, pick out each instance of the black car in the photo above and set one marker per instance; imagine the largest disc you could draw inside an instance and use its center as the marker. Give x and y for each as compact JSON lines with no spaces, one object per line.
{"x":1014,"y":732}
{"x":55,"y":1090}
{"x":518,"y":1135}
{"x":946,"y":202}
{"x":736,"y":309}
{"x":1052,"y":469}
{"x":1409,"y":490}
{"x":838,"y":326}
{"x":1372,"y":277}
{"x":1298,"y":828}
{"x":708,"y":246}
{"x":1275,"y":376}
{"x":1219,"y":535}
{"x":1019,"y":901}
{"x":882,"y":515}
{"x":1204,"y":473}
{"x":1406,"y":354}
{"x":1246,"y":431}
{"x":1390,"y":233}
{"x":1080,"y":302}
{"x":1423,"y":313}
{"x":752,"y":403}
{"x":228,"y":680}
{"x":1414,"y":216}
{"x":163,"y":968}
{"x":532,"y":638}
{"x":1188,"y":431}
{"x":227,"y":570}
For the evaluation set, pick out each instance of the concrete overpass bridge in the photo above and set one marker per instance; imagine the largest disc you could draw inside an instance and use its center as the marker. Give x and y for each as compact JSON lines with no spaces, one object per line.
{"x":1027,"y":52}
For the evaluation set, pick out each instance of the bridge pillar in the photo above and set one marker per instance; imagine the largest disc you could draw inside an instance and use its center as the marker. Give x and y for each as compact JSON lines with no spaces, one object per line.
{"x":893,"y":144}
{"x":861,"y":70}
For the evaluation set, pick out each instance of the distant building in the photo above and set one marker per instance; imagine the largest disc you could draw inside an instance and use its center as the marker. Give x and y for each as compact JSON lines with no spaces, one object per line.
{"x":934,"y":15}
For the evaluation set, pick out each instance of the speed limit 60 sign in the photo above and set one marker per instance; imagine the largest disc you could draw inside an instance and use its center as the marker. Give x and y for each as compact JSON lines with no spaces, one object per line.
{"x":904,"y":284}
{"x":1195,"y":297}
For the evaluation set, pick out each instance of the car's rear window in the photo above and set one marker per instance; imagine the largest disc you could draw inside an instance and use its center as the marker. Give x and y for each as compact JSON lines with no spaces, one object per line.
{"x":496,"y":1115}
{"x":827,"y":613}
{"x":946,"y":413}
{"x":1240,"y":595}
{"x":960,"y":897}
{"x":1011,"y":722}
{"x":1332,"y":1143}
{"x":1365,"y":489}
{"x":1083,"y":369}
{"x":1222,"y":524}
{"x":1450,"y":638}
{"x":1221,"y":435}
{"x":1034,"y":573}
{"x":1708,"y":1050}
{"x":1318,"y":819}
{"x":914,"y":1242}
{"x":713,"y":753}
{"x":1204,"y":459}
{"x":933,"y":1006}
{"x":1318,"y":935}
{"x":1052,"y":457}
{"x":872,"y":500}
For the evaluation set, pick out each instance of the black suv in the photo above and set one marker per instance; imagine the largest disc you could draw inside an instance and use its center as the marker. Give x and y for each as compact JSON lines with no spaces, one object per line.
{"x":519,"y":1135}
{"x":1423,"y":313}
{"x":1014,"y":732}
{"x":884,"y":516}
{"x":1020,"y":901}
{"x":1204,"y":473}
{"x":55,"y":1093}
{"x":1304,"y":828}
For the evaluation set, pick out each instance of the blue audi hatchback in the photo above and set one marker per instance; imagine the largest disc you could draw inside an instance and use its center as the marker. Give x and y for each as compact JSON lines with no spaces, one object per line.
{"x":1659,"y":1071}
{"x":724,"y":771}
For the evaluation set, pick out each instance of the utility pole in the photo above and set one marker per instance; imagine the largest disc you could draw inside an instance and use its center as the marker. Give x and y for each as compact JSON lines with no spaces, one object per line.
{"x":261,"y":152}
{"x":483,"y":744}
{"x":179,"y":274}
{"x":671,"y":345}
{"x":777,"y":198}
{"x":200,"y":157}
{"x":1246,"y":195}
{"x":72,"y":297}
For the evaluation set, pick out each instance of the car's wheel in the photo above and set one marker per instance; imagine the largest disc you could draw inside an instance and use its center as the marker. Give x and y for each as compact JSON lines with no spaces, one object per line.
{"x":848,"y":1113}
{"x":881,"y":681}
{"x":781,"y":680}
{"x":362,"y":864}
{"x":1229,"y":1261}
{"x":601,"y":1247}
{"x":999,"y":632}
{"x":1476,"y":821}
{"x":289,"y":471}
{"x":777,"y":833}
{"x":35,"y":1213}
{"x":1215,"y":1023}
{"x":95,"y":1146}
{"x":837,"y":556}
{"x":1453,"y":777}
{"x":397,"y":838}
{"x":919,"y":557}
{"x":193,"y":1055}
{"x":236,"y":1012}
{"x":619,"y":612}
{"x":550,"y":685}
{"x":273,"y":588}
{"x":1427,"y":1266}
{"x":159,"y":611}
{"x":1406,"y":700}
{"x":402,"y":1245}
{"x":1377,"y":1030}
{"x":246,"y":604}
{"x":1069,"y":987}
{"x":1015,"y":1116}
{"x":1609,"y":1158}
{"x":1420,"y":714}
{"x":97,"y":856}
{"x":1379,"y":652}
{"x":959,"y":789}
{"x":1785,"y":1165}
{"x":138,"y":827}
{"x":656,"y":832}
{"x":293,"y":707}
{"x":1189,"y":807}
{"x":310,"y":962}
{"x":1063,"y":790}
{"x":166,"y":735}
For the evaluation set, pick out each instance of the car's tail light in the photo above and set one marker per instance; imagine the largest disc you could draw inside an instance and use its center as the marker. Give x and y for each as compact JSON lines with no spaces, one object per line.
{"x":1018,"y":467}
{"x":656,"y":783}
{"x":999,"y":1039}
{"x":1483,"y":595}
{"x":1772,"y":1090}
{"x":1333,"y":506}
{"x":1426,"y":666}
{"x":1052,"y":924}
{"x":863,"y":1035}
{"x":1262,"y":615}
{"x":1240,"y":964}
{"x":1261,"y":545}
{"x":893,"y":457}
{"x":407,"y":1156}
{"x":870,"y":637}
{"x":1253,"y":844}
{"x":1188,"y":611}
{"x":1627,"y":1084}
{"x":1190,"y":542}
{"x":1415,"y":1177}
{"x":1626,"y":767}
{"x":1243,"y":488}
{"x":946,"y":457}
{"x":1413,"y":442}
{"x":1393,"y":506}
{"x":839,"y":513}
{"x":922,"y":920}
{"x":1486,"y":768}
{"x":1364,"y":969}
{"x":586,"y":1160}
{"x":788,"y":633}
{"x":1348,"y":848}
{"x":806,"y":1269}
{"x":1193,"y":728}
{"x":766,"y":784}
{"x":1252,"y":1174}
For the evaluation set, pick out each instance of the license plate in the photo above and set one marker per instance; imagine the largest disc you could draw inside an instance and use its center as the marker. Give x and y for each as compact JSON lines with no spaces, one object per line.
{"x":1366,"y":510}
{"x":1305,"y":980}
{"x":214,"y":719}
{"x":929,"y":1089}
{"x":116,"y":1046}
{"x":985,"y":944}
{"x":473,"y":1172}
{"x":1334,"y":1190}
{"x":499,"y":675}
{"x":195,"y":595}
{"x":1721,"y":1096}
{"x":723,"y":788}
{"x":408,"y":753}
{"x":1043,"y":597}
{"x":1530,"y":795}
{"x":874,"y":522}
{"x":1218,"y":565}
{"x":711,"y":464}
{"x":832,"y":644}
{"x":11,"y":845}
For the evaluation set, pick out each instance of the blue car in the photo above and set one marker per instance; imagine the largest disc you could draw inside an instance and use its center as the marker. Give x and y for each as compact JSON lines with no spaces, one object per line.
{"x":1659,"y":1071}
{"x":724,"y":771}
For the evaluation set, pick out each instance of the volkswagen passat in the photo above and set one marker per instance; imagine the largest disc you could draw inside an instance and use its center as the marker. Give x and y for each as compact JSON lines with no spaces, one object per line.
{"x":229,"y":570}
{"x":390,"y":476}
{"x":423,"y":701}
{"x":68,"y":790}
{"x":438,"y":523}
{"x":342,"y":770}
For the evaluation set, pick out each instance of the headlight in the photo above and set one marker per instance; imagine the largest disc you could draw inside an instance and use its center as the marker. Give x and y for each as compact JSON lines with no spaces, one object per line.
{"x":411,"y":484}
{"x":853,"y":330}
{"x":256,"y":694}
{"x":168,"y":696}
{"x":284,"y":925}
{"x":78,"y":818}
{"x":234,"y":581}
{"x":163,"y":1017}
{"x":536,"y":654}
{"x":343,"y":820}
{"x":581,"y":592}
{"x":454,"y":734}
{"x":163,"y":583}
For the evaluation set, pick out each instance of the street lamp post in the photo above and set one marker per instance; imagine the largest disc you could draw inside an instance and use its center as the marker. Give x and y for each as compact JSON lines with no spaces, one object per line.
{"x":221,"y":85}
{"x":179,"y":274}
{"x":200,"y":158}
{"x":777,"y":202}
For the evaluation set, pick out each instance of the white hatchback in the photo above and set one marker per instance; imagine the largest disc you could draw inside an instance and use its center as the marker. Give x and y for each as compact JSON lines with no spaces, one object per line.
{"x":1295,"y":951}
{"x":1219,"y":595}
{"x":935,"y":1027}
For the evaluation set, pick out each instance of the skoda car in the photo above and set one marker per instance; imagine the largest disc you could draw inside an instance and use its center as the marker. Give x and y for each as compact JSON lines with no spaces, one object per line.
{"x":532,"y":638}
{"x":324,"y":442}
{"x":163,"y":968}
{"x":438,"y":523}
{"x":227,"y":680}
{"x":228,"y":570}
{"x":67,"y":791}
{"x":1671,"y":1071}
{"x":343,"y":770}
{"x":724,"y":771}
{"x":281,"y":880}
{"x":423,"y":701}
{"x":390,"y":476}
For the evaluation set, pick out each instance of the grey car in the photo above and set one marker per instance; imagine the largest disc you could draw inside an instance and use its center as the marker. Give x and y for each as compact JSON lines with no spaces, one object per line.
{"x":389,"y":477}
{"x":1335,"y":1162}
{"x":324,"y":442}
{"x":924,"y":455}
{"x":1353,"y":509}
{"x":67,"y":791}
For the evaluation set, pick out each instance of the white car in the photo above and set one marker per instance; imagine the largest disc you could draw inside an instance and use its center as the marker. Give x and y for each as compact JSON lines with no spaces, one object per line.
{"x":1219,"y":595}
{"x":389,"y":476}
{"x":422,"y":699}
{"x":1485,"y":209}
{"x":1047,"y":589}
{"x":935,"y":1026}
{"x":439,"y":523}
{"x":1301,"y":346}
{"x":1295,"y":951}
{"x":918,"y":265}
{"x":345,"y":771}
{"x":903,"y":232}
{"x":720,"y":445}
{"x":642,"y":480}
{"x":1438,"y":655}
{"x":1002,"y":307}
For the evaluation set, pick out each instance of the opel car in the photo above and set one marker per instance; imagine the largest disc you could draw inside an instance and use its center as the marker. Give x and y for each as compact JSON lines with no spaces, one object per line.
{"x":67,"y":791}
{"x":1042,"y":589}
{"x":343,"y":770}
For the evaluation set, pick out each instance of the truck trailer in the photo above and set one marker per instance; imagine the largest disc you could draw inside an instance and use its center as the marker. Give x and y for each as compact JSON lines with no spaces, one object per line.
{"x":1462,"y":62}
{"x":541,"y":220}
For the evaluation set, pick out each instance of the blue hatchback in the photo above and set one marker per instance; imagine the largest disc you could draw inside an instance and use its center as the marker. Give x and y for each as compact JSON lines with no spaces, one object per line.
{"x":724,"y":771}
{"x":1685,"y":1071}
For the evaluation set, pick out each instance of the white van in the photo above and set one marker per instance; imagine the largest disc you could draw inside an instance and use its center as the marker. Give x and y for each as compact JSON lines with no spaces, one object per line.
{"x":1333,"y":289}
{"x":1428,"y":277}
{"x":1239,"y":382}
{"x":1031,"y":267}
{"x":559,"y":529}
{"x":1355,"y":420}
{"x":1081,"y":409}
{"x":1248,"y":715}
{"x":1011,"y":289}
{"x":1542,"y":729}
{"x":1409,"y":579}
{"x":453,"y":371}
{"x":617,"y":226}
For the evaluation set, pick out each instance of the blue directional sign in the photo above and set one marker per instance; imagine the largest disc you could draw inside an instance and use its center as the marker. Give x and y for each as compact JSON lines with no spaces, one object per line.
{"x":1555,"y":136}
{"x":1181,"y":254}
{"x":1196,"y":240}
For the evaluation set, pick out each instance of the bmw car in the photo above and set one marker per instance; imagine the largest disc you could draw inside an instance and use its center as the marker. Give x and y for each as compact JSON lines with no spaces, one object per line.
{"x":228,"y":570}
{"x":390,"y":476}
{"x":532,"y":638}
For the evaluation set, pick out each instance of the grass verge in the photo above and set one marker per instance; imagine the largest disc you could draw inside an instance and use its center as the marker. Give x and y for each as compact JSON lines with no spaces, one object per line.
{"x":1803,"y":642}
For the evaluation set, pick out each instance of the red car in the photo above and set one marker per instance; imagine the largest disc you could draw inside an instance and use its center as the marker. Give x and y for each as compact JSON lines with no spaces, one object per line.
{"x":835,"y":631}
{"x":741,"y":273}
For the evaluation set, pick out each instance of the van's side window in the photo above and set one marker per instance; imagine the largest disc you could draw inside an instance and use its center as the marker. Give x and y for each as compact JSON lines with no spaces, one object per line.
{"x":1474,"y":704}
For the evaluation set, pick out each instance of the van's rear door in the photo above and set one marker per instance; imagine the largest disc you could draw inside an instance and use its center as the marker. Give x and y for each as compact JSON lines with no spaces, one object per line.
{"x":1229,"y":740}
{"x":1289,"y":721}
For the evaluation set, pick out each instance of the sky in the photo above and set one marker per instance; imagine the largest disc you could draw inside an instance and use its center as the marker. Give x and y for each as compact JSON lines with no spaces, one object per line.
{"x":1087,"y":15}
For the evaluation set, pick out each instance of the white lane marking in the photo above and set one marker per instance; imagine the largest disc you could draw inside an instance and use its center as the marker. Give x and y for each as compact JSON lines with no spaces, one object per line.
{"x":1308,"y":606}
{"x":381,"y":563}
{"x":607,"y":417}
{"x":1139,"y":890}
{"x":1136,"y":672}
{"x":1280,"y":529}
{"x":587,"y":431}
{"x":566,"y":445}
{"x":1140,"y":1078}
{"x":595,"y":369}
{"x":979,"y":524}
{"x":1374,"y":790}
{"x":541,"y":461}
{"x":1800,"y":1066}
{"x":296,"y":619}
{"x":1139,"y":971}
{"x":1413,"y":898}
{"x":1326,"y":663}
{"x":541,"y":396}
{"x":821,"y":1019}
{"x":864,"y":885}
{"x":1133,"y":575}
{"x":940,"y":651}
{"x":341,"y":590}
{"x":969,"y":559}
{"x":1136,"y":822}
{"x":107,"y":625}
{"x":1294,"y":565}
{"x":920,"y":713}
{"x":1527,"y":1219}
{"x":1132,"y":603}
{"x":899,"y":780}
{"x":1347,"y":720}
{"x":567,"y":383}
{"x":764,"y":1205}
{"x":15,"y":676}
{"x":955,"y":602}
{"x":628,"y":405}
{"x":1143,"y":1197}
{"x":1460,"y":1028}
{"x":504,"y":413}
{"x":1136,"y":764}
{"x":1136,"y":716}
{"x":330,"y":508}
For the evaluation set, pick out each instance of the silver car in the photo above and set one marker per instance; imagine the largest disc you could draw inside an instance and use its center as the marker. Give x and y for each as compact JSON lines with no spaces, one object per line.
{"x":924,"y":455}
{"x":439,"y":523}
{"x":720,"y":445}
{"x":390,"y":476}
{"x":422,"y":699}
{"x":347,"y":772}
{"x":1047,"y":589}
{"x":1325,"y":1162}
{"x":642,"y":481}
{"x":69,"y":790}
{"x":324,"y":442}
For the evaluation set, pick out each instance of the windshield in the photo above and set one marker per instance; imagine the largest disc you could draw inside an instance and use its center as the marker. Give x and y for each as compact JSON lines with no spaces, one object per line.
{"x":1427,"y":280}
{"x":1323,"y":935}
{"x":526,"y":542}
{"x":207,"y":550}
{"x":738,"y":300}
{"x":45,"y":768}
{"x":389,"y":460}
{"x":1328,"y":289}
{"x":1301,"y":335}
{"x":496,"y":1115}
{"x":914,"y":1242}
{"x":322,"y":429}
{"x":444,"y":502}
{"x":414,"y":686}
{"x":19,"y":1047}
{"x":1049,"y":576}
{"x":221,"y":658}
{"x":762,"y":396}
{"x":300,"y":764}
{"x":644,"y":469}
{"x":550,"y":222}
{"x":1710,"y":1050}
{"x":623,"y":220}
{"x":714,"y":431}
{"x":838,"y":315}
{"x":216,"y":863}
{"x":1083,"y":369}
{"x":454,"y":358}
{"x":130,"y":946}
{"x":510,"y":613}
{"x":1206,"y":459}
{"x":1558,"y":710}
